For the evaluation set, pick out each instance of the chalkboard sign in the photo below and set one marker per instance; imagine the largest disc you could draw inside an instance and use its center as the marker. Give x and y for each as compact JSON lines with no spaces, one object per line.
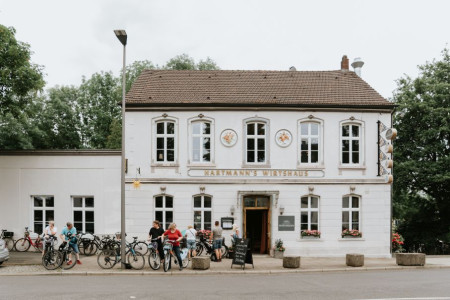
{"x":242,"y":253}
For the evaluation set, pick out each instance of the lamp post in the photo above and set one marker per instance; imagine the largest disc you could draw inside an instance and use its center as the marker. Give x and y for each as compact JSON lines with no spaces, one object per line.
{"x":122,"y":36}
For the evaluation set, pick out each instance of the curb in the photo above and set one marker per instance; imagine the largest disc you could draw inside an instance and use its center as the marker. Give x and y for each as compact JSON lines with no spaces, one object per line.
{"x":242,"y":272}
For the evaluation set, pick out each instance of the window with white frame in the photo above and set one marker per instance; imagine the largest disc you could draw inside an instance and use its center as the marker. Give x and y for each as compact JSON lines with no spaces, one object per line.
{"x":309,"y":142}
{"x":201,"y":141}
{"x":256,"y":142}
{"x":43,"y":212}
{"x":351,"y":142}
{"x":165,"y":141}
{"x":202,"y":212}
{"x":309,"y":213}
{"x":164,"y":210}
{"x":350,"y":212}
{"x":83,"y":214}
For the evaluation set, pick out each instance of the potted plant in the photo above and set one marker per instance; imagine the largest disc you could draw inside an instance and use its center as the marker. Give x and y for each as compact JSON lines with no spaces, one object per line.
{"x":310,"y":234}
{"x":353,"y":233}
{"x":279,"y":249}
{"x":397,"y":243}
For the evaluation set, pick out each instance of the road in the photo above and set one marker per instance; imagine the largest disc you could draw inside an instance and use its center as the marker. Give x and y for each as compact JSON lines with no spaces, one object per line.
{"x":411,"y":284}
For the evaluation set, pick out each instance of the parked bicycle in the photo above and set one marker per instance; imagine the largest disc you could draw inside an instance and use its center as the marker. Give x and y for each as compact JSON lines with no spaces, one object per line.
{"x":154,"y":260}
{"x":204,"y":244}
{"x":168,"y":254}
{"x":23,"y":244}
{"x":8,"y":237}
{"x":139,"y":246}
{"x":108,"y":258}
{"x":52,"y":258}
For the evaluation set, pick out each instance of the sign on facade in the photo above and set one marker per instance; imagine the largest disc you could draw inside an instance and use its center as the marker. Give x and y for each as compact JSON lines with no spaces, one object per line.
{"x":286,"y":223}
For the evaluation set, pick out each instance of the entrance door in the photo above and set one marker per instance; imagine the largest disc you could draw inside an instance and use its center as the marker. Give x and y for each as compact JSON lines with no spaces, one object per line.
{"x":257,"y":223}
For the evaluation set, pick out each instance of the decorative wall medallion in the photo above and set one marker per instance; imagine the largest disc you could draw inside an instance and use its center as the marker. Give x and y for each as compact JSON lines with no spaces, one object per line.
{"x":283,"y":138}
{"x":228,"y":137}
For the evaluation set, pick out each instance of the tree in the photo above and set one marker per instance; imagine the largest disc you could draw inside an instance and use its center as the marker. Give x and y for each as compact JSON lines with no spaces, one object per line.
{"x":422,"y":160}
{"x":181,"y":62}
{"x":19,"y":81}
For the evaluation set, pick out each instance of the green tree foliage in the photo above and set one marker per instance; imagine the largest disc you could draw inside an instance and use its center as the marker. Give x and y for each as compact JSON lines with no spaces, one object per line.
{"x":422,"y":160}
{"x":20,"y":80}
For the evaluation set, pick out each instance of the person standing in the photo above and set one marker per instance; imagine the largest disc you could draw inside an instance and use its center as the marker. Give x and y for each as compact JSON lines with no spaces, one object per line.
{"x":155,"y":234}
{"x":217,"y":240}
{"x":175,"y":237}
{"x":49,"y":232}
{"x":68,"y":235}
{"x":191,"y":235}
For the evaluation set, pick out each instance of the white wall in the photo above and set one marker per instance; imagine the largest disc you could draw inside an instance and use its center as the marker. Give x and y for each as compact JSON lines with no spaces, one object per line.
{"x":61,"y":176}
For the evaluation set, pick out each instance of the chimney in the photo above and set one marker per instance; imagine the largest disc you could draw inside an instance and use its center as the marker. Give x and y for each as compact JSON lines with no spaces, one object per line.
{"x":344,"y":63}
{"x":357,"y":65}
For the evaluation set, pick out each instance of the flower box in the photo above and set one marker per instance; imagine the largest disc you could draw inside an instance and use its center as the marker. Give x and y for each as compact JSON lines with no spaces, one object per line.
{"x":310,"y":237}
{"x":350,"y":234}
{"x":308,"y":234}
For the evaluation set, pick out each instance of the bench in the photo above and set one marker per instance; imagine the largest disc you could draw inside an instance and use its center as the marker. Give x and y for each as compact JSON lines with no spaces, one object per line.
{"x":201,"y":263}
{"x":290,"y":261}
{"x":354,"y":260}
{"x":410,"y":259}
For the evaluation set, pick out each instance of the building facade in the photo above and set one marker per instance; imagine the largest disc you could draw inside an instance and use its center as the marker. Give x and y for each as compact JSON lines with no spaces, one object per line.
{"x":276,"y":153}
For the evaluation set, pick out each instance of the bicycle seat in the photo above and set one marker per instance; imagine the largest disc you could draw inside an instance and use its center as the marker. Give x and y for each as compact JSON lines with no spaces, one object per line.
{"x":135,"y":237}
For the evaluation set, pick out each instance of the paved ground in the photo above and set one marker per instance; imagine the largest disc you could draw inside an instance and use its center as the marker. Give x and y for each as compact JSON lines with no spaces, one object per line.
{"x":410,"y":284}
{"x":30,"y":264}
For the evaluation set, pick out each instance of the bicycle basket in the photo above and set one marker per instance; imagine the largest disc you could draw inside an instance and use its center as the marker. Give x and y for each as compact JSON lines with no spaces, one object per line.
{"x":8,"y":234}
{"x":153,"y":245}
{"x":168,"y":246}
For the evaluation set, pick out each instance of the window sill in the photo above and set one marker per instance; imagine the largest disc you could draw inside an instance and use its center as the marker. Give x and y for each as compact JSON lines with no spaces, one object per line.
{"x":256,"y":166}
{"x":201,"y":166}
{"x":165,"y":165}
{"x":303,"y":240}
{"x":310,"y":167}
{"x":352,"y":167}
{"x":351,"y":239}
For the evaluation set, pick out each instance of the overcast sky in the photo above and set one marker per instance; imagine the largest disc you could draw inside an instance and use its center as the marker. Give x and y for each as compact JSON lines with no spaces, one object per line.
{"x":75,"y":38}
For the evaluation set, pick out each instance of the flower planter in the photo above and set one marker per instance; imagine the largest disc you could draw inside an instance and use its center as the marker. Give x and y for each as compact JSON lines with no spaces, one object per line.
{"x":310,"y":237}
{"x":351,"y":237}
{"x":278,"y":254}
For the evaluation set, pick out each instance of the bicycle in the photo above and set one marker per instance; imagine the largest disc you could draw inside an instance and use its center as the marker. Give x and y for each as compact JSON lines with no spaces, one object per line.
{"x":203,"y":244}
{"x":67,"y":254}
{"x":52,"y":258}
{"x":139,"y":246}
{"x":88,"y":246}
{"x":23,"y":244}
{"x":153,"y":258}
{"x":168,"y":253}
{"x":8,"y":237}
{"x":108,"y":258}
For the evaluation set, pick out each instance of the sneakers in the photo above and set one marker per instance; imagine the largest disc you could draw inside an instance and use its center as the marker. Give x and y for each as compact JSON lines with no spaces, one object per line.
{"x":79,"y":262}
{"x":181,"y":268}
{"x":69,"y":262}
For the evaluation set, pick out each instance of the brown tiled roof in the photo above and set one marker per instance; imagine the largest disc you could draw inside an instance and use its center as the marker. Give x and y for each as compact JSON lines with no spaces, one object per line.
{"x":262,"y":88}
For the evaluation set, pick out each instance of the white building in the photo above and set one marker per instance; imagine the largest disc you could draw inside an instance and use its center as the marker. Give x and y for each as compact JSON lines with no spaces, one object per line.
{"x":278,"y":152}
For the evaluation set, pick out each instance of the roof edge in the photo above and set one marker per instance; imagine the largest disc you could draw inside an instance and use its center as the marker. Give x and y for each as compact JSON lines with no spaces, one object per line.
{"x":56,"y":152}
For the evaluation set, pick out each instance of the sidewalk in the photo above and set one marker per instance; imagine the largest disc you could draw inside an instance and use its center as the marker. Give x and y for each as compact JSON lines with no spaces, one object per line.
{"x":30,"y":264}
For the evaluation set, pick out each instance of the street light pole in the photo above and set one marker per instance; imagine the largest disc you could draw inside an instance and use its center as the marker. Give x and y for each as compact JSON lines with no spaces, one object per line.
{"x":122,"y":36}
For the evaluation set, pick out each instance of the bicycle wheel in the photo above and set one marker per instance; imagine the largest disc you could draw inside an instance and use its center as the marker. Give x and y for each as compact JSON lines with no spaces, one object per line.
{"x":90,"y":248}
{"x":224,"y":251}
{"x":65,"y":263}
{"x":154,"y":261}
{"x":22,"y":245}
{"x":141,"y":247}
{"x":213,"y":256}
{"x":185,"y":262}
{"x":107,"y":259}
{"x":52,"y":260}
{"x":199,"y":248}
{"x":136,"y":260}
{"x":9,"y":243}
{"x":167,"y":259}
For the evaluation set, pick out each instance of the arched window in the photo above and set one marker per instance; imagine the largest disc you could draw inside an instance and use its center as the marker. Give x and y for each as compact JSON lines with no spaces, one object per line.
{"x":164,"y":210}
{"x":201,"y":141}
{"x":351,"y":144}
{"x":351,"y":212}
{"x":256,"y":133}
{"x":309,"y":213}
{"x":202,"y":212}
{"x":310,"y":136}
{"x":165,"y":142}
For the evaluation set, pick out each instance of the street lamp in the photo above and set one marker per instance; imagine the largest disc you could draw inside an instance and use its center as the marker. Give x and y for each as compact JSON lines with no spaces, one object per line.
{"x":122,"y":36}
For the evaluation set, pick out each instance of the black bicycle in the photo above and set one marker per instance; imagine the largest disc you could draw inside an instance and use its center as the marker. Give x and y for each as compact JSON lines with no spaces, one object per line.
{"x":52,"y":258}
{"x":108,"y":258}
{"x":203,"y":244}
{"x":68,"y":253}
{"x":139,"y":246}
